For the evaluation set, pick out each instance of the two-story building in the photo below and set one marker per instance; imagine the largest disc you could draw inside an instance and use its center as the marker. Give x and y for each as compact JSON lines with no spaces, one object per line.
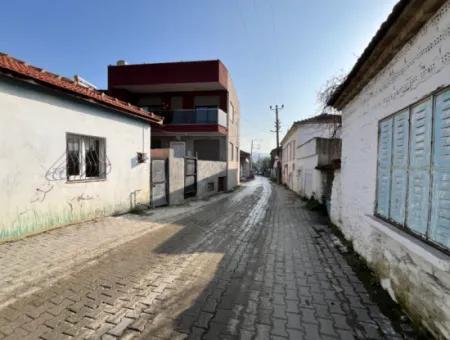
{"x":307,"y":146}
{"x":200,"y":108}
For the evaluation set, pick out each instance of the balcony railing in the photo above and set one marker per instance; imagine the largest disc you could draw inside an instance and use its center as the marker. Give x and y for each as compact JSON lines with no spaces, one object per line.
{"x":207,"y":116}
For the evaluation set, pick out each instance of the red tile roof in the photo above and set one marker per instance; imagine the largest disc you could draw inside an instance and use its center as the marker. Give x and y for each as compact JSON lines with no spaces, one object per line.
{"x":20,"y":69}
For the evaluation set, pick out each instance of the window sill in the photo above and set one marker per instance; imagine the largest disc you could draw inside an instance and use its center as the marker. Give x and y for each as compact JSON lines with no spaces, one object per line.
{"x":86,"y":180}
{"x":425,"y":251}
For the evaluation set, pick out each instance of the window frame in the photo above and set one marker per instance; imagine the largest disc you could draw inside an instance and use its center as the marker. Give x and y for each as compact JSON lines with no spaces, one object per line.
{"x":425,"y":238}
{"x":82,"y":163}
{"x":231,"y":112}
{"x":231,"y":156}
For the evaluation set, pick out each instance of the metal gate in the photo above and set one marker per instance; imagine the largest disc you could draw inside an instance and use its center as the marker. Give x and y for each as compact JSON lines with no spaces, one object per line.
{"x":190,"y":176}
{"x":159,"y":182}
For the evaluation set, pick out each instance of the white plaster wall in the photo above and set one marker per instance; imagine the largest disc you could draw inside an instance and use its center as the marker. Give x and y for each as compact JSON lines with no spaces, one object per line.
{"x":35,"y":196}
{"x":303,"y":137}
{"x":308,"y":131}
{"x":289,"y":146}
{"x":309,"y":181}
{"x":413,"y":277}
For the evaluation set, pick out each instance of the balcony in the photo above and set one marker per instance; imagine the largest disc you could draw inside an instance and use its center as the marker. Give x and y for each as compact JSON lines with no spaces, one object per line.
{"x":200,"y":116}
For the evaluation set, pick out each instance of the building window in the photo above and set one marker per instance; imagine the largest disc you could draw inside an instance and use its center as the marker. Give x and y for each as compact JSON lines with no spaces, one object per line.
{"x":86,"y":158}
{"x":413,"y":185}
{"x":293,"y":150}
{"x":237,"y":153}
{"x":231,"y":151}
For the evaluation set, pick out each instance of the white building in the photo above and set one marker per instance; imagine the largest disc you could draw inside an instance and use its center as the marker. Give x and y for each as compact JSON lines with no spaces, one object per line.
{"x":392,"y":198}
{"x":301,"y":154}
{"x":68,"y":152}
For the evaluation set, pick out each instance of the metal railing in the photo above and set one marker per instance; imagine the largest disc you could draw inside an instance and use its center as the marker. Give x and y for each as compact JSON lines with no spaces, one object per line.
{"x":213,"y":116}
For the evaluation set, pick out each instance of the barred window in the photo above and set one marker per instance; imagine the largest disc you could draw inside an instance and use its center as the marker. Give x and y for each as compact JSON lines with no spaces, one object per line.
{"x":86,"y":157}
{"x":413,"y":176}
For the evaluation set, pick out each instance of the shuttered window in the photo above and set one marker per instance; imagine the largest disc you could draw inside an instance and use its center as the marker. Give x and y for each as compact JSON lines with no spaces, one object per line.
{"x":413,"y":169}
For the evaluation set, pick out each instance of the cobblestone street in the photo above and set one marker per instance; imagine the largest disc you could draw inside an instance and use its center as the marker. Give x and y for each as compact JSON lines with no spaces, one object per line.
{"x":254,"y":264}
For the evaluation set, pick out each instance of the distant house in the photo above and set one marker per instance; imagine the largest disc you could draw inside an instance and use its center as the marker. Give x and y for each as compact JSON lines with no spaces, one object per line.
{"x":275,"y":161}
{"x":245,"y":165}
{"x":201,"y":114}
{"x":68,"y":152}
{"x":309,"y":144}
{"x":392,"y":197}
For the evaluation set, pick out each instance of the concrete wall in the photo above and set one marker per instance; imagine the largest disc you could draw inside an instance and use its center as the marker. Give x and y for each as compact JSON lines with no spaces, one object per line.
{"x":35,"y":194}
{"x":415,"y":274}
{"x":209,"y":172}
{"x":176,"y":175}
{"x":233,"y":137}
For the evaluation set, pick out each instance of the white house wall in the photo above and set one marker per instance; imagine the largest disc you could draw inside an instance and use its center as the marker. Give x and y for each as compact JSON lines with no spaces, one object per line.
{"x":35,"y":194}
{"x":415,"y":274}
{"x":305,"y":146}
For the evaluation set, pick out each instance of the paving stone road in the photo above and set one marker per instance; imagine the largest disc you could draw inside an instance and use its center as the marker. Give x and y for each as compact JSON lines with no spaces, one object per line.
{"x":255,"y":265}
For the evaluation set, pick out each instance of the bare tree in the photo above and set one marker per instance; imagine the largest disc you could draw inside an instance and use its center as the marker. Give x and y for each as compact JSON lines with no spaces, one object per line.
{"x":327,"y":90}
{"x":324,"y":95}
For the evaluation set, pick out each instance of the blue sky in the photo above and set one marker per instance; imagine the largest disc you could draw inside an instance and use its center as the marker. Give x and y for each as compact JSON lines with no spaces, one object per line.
{"x":278,"y":51}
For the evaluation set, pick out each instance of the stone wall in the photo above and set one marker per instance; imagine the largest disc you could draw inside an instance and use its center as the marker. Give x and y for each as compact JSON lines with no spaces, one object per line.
{"x":415,"y":274}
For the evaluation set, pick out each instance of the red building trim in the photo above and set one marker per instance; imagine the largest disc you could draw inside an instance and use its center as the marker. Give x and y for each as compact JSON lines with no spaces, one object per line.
{"x":193,"y":128}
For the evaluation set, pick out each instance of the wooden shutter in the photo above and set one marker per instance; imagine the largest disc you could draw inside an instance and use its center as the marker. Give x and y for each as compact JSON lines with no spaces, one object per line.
{"x":440,"y":215}
{"x":384,"y":167}
{"x":399,"y":166}
{"x":419,"y":168}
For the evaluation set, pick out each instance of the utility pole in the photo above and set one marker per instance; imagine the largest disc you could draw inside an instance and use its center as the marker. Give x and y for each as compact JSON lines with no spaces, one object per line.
{"x":277,"y":131}
{"x":251,"y":158}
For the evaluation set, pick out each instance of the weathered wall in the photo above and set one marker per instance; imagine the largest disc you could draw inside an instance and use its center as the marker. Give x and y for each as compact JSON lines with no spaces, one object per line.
{"x":233,"y":137}
{"x":309,"y":180}
{"x":209,"y":172}
{"x":35,"y":195}
{"x":336,"y":199}
{"x":415,"y":274}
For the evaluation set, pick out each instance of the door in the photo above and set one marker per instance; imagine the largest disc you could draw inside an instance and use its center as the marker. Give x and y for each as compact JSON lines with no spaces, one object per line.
{"x":190,"y":177}
{"x":221,"y":185}
{"x":159,"y":182}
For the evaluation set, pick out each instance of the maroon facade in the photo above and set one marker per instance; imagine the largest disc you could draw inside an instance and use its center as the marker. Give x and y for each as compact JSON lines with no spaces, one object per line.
{"x":209,"y":71}
{"x":185,"y":80}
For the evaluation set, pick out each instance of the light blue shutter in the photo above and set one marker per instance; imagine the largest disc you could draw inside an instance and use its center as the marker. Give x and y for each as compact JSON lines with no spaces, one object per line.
{"x":440,"y":216}
{"x":384,"y":167}
{"x":419,"y":168}
{"x":399,"y":166}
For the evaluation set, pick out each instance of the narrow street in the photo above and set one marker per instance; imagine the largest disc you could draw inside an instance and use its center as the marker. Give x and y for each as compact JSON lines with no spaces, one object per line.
{"x":253,"y":265}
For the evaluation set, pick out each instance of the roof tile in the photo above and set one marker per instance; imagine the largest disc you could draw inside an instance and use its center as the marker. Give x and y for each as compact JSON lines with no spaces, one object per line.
{"x":19,"y":68}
